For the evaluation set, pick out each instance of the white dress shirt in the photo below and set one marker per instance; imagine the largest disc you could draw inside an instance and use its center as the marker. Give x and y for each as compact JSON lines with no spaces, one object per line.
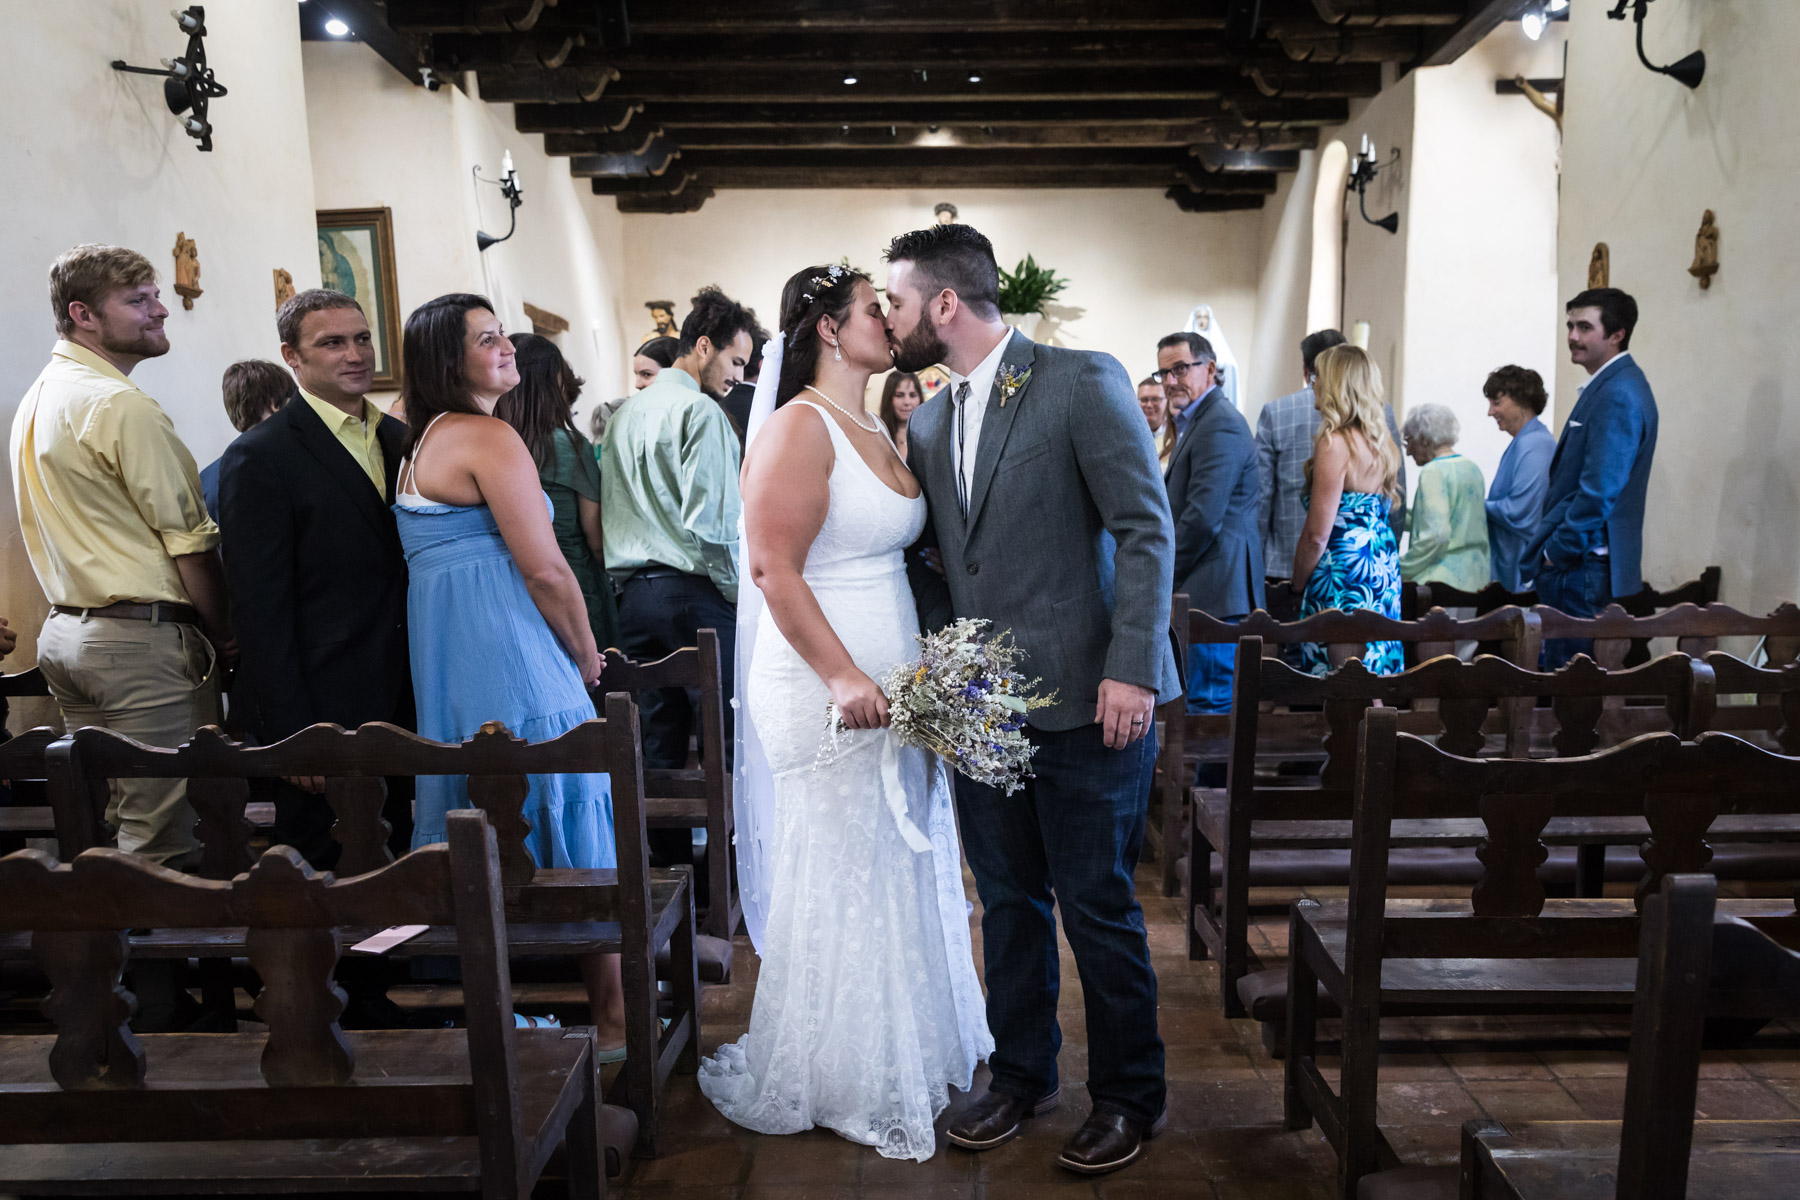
{"x":981,"y":387}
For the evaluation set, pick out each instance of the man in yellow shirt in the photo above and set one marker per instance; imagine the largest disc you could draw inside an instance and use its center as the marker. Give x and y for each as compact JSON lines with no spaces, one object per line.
{"x":110,"y":507}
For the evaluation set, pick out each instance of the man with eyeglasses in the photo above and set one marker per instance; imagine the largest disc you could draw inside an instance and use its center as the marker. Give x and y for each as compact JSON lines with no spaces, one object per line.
{"x":1214,"y":489}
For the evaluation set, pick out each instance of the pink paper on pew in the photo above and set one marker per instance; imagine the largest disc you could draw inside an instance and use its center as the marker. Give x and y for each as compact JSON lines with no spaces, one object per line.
{"x":387,"y":939}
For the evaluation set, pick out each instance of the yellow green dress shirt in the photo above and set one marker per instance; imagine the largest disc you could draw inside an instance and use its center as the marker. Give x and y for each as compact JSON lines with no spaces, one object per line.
{"x":107,"y":493}
{"x":1448,"y":526}
{"x":669,"y":484}
{"x":357,"y":436}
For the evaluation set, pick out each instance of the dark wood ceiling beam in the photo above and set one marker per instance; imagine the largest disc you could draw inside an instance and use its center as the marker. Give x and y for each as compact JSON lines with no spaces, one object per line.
{"x":1484,"y":17}
{"x":1215,"y":157}
{"x":571,"y":85}
{"x":778,"y":176}
{"x":1310,"y":42}
{"x":786,"y":137}
{"x":1373,"y":13}
{"x":890,"y":86}
{"x":656,"y":159}
{"x":1188,"y":200}
{"x":468,"y":16}
{"x":912,"y":51}
{"x":635,"y":140}
{"x":602,"y":116}
{"x":674,"y":115}
{"x":689,"y":200}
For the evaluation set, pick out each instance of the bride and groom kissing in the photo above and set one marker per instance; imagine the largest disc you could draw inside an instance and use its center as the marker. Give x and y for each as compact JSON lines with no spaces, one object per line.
{"x":1033,"y":500}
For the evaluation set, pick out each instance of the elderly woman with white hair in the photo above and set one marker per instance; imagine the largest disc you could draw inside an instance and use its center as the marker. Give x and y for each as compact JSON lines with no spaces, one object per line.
{"x":1447,"y":523}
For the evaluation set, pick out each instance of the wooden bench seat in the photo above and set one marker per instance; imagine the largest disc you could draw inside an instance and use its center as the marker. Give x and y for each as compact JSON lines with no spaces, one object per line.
{"x":1457,"y":704}
{"x":632,"y":910}
{"x":98,"y":1110}
{"x":1695,"y":961}
{"x":1375,"y":956}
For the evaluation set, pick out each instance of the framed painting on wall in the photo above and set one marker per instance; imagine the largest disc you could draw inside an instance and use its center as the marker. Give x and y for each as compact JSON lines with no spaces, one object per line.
{"x":356,"y":257}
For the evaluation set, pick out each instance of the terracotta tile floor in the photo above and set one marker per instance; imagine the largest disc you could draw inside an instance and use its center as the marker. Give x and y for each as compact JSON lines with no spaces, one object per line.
{"x":1224,"y":1140}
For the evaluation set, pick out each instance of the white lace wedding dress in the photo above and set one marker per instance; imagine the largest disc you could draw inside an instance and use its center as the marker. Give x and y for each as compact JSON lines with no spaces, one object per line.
{"x":867,"y":1006}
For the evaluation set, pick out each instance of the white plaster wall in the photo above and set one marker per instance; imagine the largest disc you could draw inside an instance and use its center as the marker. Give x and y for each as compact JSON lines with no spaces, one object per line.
{"x":1136,"y":263}
{"x":1642,"y":158}
{"x":94,"y":155}
{"x":1470,"y":281}
{"x":378,"y":141}
{"x":1481,"y":278}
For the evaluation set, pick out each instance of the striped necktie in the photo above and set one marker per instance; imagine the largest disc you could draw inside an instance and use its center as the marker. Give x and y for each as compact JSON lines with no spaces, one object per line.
{"x":962,"y":487}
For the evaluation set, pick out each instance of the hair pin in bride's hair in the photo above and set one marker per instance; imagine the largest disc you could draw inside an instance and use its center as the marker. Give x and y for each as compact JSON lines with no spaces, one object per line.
{"x":820,"y":284}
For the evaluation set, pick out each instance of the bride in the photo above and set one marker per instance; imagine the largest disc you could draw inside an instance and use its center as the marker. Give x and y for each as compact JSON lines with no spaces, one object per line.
{"x":867,"y":1006}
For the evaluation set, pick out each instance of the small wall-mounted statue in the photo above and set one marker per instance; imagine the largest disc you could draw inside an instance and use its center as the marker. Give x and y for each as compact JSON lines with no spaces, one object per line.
{"x":187,"y":271}
{"x":284,"y":287}
{"x":662,"y":316}
{"x":944,"y":214}
{"x":1706,"y":251}
{"x":1600,"y":266}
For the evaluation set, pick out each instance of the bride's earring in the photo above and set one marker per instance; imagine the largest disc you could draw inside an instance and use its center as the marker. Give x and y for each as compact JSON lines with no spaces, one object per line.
{"x":837,"y":351}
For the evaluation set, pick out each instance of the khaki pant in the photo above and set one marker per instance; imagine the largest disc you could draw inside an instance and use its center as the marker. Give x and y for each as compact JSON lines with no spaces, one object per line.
{"x":152,"y":682}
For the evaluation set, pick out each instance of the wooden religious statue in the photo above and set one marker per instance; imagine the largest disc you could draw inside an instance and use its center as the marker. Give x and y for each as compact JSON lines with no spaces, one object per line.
{"x":662,"y":315}
{"x":944,"y":214}
{"x":187,"y":270}
{"x":284,"y":287}
{"x":1706,"y":251}
{"x":1600,"y":266}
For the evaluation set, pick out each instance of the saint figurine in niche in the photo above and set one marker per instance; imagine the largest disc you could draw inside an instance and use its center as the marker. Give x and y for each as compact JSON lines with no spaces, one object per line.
{"x":187,"y":270}
{"x":944,"y":214}
{"x":1706,"y":251}
{"x":1600,"y":267}
{"x":662,"y":316}
{"x":284,"y":287}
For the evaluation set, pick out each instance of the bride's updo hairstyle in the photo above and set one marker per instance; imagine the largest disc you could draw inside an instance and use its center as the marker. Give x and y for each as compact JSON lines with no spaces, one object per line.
{"x":822,"y":291}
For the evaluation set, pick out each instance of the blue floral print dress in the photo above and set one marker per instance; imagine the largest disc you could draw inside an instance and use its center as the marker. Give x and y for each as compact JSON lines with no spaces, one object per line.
{"x":1359,"y":569}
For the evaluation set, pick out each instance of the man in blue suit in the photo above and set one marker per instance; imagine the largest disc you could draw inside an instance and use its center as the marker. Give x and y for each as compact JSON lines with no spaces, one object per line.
{"x":1589,"y":546}
{"x":1215,"y":488}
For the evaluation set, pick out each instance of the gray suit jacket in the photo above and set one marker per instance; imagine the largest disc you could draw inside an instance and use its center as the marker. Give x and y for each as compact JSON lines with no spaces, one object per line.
{"x":1068,"y":542}
{"x":1213,"y":484}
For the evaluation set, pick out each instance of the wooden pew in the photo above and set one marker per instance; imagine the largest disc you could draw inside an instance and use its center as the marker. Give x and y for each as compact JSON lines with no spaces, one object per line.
{"x":1192,"y":738}
{"x":22,"y":766}
{"x":1692,"y":963}
{"x":692,"y":798}
{"x":1474,"y":708}
{"x":97,"y":1110}
{"x":632,"y":910}
{"x":1697,"y":630}
{"x":1505,"y":948}
{"x":1417,"y":599}
{"x":1775,"y":712}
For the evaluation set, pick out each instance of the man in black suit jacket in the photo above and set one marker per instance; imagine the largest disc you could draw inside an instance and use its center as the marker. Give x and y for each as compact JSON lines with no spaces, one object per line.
{"x":313,"y":560}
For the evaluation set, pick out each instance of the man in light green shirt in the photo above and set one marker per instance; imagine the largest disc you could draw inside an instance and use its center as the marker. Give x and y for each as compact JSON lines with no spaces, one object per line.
{"x":669,"y":510}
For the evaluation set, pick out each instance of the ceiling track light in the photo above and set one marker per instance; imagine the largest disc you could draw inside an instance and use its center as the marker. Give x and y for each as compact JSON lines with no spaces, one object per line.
{"x":1688,"y":71}
{"x":849,"y":80}
{"x":188,"y":82}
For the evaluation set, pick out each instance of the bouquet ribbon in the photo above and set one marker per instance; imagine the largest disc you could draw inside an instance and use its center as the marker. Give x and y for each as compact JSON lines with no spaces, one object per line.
{"x":896,"y":794}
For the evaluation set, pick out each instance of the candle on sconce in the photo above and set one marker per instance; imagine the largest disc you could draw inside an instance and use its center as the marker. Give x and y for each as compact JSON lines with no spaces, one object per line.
{"x":506,"y":163}
{"x":1359,"y":335}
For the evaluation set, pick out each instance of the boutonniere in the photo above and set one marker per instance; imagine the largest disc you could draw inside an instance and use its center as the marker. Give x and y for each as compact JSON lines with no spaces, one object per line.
{"x":1011,"y":382}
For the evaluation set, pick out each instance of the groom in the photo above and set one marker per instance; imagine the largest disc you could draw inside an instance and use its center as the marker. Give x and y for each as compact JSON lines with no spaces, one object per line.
{"x":1050,"y":519}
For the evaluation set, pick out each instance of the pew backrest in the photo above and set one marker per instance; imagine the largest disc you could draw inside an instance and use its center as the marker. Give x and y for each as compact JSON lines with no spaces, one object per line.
{"x":78,"y":915}
{"x":1696,"y":629}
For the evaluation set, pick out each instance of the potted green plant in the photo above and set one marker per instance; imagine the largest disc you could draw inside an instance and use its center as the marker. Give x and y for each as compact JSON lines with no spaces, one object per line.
{"x":1025,"y":291}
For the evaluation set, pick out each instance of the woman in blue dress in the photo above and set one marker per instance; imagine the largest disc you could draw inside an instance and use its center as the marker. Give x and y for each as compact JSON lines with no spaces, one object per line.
{"x":497,"y":624}
{"x":1347,"y":558}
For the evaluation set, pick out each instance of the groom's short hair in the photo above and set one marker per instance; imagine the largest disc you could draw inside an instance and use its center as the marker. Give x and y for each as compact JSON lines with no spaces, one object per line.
{"x":957,"y":257}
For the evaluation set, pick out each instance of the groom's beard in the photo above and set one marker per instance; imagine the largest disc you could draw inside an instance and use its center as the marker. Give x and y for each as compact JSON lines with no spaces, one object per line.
{"x":922,"y":348}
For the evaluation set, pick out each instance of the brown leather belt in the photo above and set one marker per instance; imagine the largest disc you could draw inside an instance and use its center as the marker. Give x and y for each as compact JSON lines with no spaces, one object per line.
{"x":159,"y":610}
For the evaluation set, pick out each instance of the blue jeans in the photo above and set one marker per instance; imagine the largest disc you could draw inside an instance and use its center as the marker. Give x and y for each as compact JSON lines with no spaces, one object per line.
{"x":1209,"y":670}
{"x":1080,"y":823}
{"x":1580,"y":589}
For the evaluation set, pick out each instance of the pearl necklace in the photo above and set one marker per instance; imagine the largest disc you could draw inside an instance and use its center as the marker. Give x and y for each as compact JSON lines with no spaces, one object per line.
{"x":856,"y":420}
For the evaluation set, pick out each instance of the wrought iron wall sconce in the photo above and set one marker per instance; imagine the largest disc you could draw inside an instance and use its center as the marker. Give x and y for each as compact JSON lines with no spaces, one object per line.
{"x":509,"y":188}
{"x":1688,"y":71}
{"x":1363,"y":170}
{"x":188,"y":82}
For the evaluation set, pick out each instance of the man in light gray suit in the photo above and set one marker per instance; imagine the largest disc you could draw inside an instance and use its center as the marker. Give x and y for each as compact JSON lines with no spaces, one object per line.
{"x":1048,"y":518}
{"x":1213,"y":484}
